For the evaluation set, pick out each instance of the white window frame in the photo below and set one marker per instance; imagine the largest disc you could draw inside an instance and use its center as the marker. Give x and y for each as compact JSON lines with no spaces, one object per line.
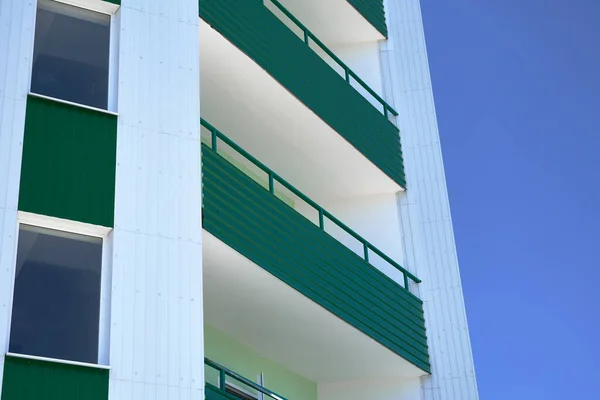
{"x":113,"y":11}
{"x":78,"y":228}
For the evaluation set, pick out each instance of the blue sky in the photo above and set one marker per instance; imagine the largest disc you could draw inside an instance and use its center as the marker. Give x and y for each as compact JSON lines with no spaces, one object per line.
{"x":517,"y":88}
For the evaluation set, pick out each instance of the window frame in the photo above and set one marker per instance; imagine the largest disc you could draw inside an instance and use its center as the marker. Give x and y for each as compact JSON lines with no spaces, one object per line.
{"x":101,"y":7}
{"x":77,"y":228}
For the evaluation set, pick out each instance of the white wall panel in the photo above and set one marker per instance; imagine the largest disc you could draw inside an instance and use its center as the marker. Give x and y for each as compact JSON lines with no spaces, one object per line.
{"x":424,"y":209}
{"x":16,"y":47}
{"x":156,"y":330}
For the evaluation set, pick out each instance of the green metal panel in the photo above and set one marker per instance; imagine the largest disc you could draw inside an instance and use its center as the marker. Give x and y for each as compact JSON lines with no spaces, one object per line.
{"x":41,"y":380}
{"x":248,"y":218}
{"x":69,"y":161}
{"x":117,"y":2}
{"x":213,"y":393}
{"x":373,"y":11}
{"x":271,"y":44}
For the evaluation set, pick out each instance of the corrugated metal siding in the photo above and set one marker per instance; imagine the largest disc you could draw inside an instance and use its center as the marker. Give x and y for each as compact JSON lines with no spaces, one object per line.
{"x":16,"y":46}
{"x":257,"y":32}
{"x":40,"y":380}
{"x":156,"y":348}
{"x":425,"y":212}
{"x":69,"y":156}
{"x":373,"y":12}
{"x":261,"y":227}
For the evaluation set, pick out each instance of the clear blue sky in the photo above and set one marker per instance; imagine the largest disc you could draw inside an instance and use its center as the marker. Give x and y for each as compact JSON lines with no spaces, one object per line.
{"x":517,"y":86}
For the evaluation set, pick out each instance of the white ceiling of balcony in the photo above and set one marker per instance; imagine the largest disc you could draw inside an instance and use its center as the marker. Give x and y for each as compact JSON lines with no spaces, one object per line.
{"x":249,"y":304}
{"x":334,"y":22}
{"x":245,"y":103}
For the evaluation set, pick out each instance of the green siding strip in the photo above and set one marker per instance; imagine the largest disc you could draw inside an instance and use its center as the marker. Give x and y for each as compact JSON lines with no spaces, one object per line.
{"x":271,"y":44}
{"x":26,"y":379}
{"x":246,"y":217}
{"x":69,"y":161}
{"x":373,"y":11}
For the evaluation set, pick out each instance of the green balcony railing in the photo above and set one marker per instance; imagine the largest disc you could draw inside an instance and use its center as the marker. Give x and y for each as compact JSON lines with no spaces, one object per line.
{"x":233,"y":385}
{"x":323,"y":215}
{"x":347,"y":73}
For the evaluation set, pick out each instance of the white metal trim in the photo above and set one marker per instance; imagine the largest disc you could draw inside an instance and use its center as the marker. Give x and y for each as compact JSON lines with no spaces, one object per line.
{"x":105,"y":301}
{"x":113,"y":63}
{"x":41,"y":96}
{"x":103,"y":7}
{"x":58,"y":361}
{"x":60,"y":224}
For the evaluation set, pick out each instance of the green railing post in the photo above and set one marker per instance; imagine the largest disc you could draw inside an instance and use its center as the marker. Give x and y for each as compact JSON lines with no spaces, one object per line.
{"x":222,"y":379}
{"x":214,"y":139}
{"x":406,"y":282}
{"x":321,"y":219}
{"x":366,"y":250}
{"x":347,"y":73}
{"x":271,"y":183}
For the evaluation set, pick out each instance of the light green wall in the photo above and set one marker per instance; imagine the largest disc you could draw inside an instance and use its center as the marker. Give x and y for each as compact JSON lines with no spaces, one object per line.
{"x":224,"y":350}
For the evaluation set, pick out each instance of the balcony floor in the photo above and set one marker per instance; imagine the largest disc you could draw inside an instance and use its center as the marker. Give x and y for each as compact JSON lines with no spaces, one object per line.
{"x":262,"y":312}
{"x":238,"y":97}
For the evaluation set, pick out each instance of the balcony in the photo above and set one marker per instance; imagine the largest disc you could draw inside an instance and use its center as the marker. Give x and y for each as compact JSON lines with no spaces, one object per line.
{"x":309,"y":105}
{"x":268,"y":246}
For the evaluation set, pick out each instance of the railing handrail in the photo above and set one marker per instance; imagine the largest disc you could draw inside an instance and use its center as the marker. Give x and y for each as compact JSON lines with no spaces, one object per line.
{"x":347,"y":71}
{"x":227,"y":372}
{"x":215,"y":133}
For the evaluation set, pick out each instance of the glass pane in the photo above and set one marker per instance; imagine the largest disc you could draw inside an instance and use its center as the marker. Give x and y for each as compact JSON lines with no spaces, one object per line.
{"x":56,"y":305}
{"x":71,"y":52}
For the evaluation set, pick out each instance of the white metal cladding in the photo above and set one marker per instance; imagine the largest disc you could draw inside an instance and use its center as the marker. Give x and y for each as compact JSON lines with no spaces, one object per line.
{"x":156,"y":332}
{"x":16,"y":47}
{"x":424,"y":209}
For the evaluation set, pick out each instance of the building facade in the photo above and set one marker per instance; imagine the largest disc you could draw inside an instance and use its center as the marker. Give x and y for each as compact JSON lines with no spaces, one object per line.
{"x":224,"y":199}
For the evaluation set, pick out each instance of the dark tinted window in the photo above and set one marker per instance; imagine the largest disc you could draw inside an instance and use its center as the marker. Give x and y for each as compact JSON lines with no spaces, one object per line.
{"x":71,"y":53}
{"x":56,"y":305}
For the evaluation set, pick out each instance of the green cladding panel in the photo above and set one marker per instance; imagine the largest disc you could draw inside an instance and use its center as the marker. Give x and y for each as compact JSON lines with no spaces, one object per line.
{"x":69,"y":161}
{"x":258,"y":225}
{"x":26,"y":379}
{"x":373,"y":11}
{"x":271,"y":44}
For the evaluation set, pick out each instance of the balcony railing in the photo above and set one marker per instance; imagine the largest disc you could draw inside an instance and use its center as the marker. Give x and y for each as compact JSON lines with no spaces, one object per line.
{"x":308,"y":37}
{"x":323,"y":215}
{"x":231,"y":383}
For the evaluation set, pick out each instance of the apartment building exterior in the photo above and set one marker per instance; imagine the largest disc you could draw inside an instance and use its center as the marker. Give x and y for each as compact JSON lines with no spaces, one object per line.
{"x":224,"y":199}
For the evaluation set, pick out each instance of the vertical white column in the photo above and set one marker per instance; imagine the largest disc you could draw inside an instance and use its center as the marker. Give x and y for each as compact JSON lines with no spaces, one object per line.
{"x":424,"y":209}
{"x":16,"y":48}
{"x":156,"y":314}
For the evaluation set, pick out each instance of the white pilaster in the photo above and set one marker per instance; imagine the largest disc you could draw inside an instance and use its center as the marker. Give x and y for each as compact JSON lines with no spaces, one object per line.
{"x":156,"y":331}
{"x":425,"y":217}
{"x":17,"y":19}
